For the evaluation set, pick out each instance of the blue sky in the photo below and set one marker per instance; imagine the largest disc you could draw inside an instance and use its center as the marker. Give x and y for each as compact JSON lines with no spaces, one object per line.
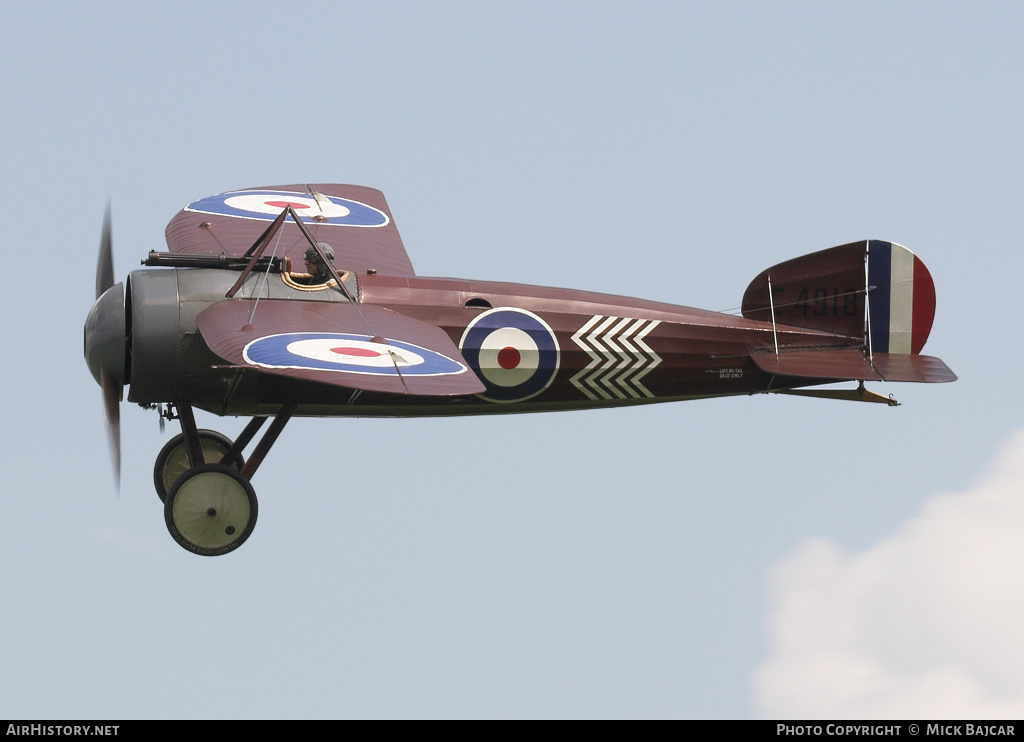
{"x":621,"y":563}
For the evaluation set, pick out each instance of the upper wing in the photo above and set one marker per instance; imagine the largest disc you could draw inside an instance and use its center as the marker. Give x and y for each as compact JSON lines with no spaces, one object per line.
{"x":354,"y":220}
{"x":368,"y":348}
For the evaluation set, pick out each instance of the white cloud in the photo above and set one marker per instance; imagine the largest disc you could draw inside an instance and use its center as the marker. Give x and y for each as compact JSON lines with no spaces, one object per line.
{"x":928,"y":623}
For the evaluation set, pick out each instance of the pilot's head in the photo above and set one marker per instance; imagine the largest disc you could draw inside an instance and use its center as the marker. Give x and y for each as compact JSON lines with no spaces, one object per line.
{"x":314,"y":266}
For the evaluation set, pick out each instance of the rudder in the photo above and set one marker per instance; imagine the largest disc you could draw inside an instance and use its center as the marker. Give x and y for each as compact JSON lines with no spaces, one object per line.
{"x":901,"y":299}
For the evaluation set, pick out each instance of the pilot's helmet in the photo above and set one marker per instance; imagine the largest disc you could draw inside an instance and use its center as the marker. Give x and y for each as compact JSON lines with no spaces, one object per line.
{"x":326,"y":249}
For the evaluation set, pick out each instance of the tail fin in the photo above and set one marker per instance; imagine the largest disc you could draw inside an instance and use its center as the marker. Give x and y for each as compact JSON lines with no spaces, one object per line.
{"x":874,"y":290}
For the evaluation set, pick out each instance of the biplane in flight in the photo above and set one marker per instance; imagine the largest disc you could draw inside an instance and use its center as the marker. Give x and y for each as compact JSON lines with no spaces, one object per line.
{"x":300,"y":300}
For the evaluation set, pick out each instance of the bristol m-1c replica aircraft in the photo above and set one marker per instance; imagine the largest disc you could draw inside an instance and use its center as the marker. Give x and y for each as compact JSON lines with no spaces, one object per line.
{"x":227,"y":321}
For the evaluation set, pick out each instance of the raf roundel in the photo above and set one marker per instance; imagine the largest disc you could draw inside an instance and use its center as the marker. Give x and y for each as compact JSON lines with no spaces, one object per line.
{"x":513,"y":351}
{"x":267,"y":205}
{"x":348,"y":353}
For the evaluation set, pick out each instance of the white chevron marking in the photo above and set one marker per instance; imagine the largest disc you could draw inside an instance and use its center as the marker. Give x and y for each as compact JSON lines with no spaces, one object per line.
{"x":594,"y":358}
{"x":603,"y":358}
{"x":619,"y":357}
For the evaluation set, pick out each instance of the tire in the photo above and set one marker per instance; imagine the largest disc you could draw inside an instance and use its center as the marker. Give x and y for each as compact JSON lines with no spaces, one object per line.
{"x":172,"y":461}
{"x":211,"y":510}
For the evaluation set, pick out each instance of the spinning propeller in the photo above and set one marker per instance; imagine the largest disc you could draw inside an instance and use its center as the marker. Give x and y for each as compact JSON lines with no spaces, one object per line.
{"x":105,"y":343}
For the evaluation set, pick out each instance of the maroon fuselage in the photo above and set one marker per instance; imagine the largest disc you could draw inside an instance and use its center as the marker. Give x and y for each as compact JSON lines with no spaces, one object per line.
{"x":608,"y":351}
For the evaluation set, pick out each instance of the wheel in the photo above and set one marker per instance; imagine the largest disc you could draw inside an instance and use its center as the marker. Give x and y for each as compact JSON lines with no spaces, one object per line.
{"x":172,"y":461}
{"x":210,"y":509}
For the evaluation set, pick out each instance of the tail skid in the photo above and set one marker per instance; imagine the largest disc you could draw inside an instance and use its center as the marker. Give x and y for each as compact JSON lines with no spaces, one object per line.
{"x":860,"y":394}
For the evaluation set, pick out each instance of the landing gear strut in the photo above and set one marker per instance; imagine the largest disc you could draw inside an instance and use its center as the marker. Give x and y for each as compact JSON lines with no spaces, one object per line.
{"x":210,"y":506}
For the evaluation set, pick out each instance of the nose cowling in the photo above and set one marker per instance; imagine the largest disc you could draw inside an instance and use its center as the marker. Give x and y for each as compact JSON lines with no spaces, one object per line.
{"x":105,"y":337}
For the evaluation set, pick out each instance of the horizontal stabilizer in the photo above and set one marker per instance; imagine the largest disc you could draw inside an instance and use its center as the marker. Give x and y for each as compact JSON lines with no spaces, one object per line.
{"x":903,"y":367}
{"x":839,"y":364}
{"x":851,"y":363}
{"x":366,"y":348}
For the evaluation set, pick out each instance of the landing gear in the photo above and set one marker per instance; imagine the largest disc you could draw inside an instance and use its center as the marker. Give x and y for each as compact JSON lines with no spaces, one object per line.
{"x":173,"y":460}
{"x":210,"y":508}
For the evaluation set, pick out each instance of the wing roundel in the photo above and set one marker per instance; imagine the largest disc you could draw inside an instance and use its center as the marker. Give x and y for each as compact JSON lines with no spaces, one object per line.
{"x":354,"y":220}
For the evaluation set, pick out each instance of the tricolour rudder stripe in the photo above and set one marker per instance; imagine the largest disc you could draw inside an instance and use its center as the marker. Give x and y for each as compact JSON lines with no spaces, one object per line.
{"x":879,"y":280}
{"x":902,"y":299}
{"x":924,"y":305}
